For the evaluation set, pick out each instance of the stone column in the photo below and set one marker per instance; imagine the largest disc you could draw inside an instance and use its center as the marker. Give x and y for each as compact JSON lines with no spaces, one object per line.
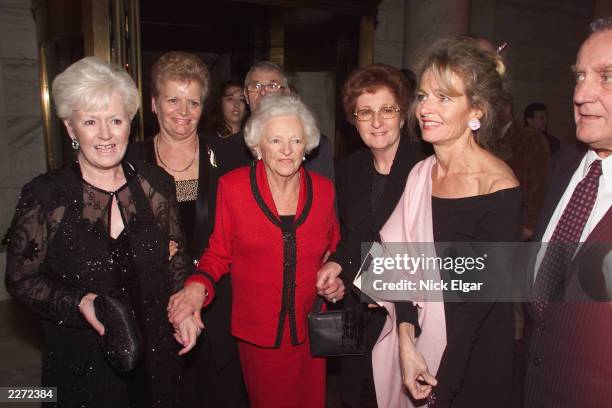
{"x":428,"y":20}
{"x":22,"y":145}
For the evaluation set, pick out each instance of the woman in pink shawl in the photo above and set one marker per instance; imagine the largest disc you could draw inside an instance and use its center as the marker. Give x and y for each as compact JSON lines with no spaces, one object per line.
{"x":455,"y":354}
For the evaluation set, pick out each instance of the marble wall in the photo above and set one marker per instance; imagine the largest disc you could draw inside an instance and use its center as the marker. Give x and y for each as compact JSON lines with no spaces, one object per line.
{"x":544,"y":38}
{"x":389,"y":34}
{"x":22,"y":147}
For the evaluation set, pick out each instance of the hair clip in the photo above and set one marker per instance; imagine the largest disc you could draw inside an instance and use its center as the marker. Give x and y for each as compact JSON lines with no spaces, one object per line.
{"x":502,"y":47}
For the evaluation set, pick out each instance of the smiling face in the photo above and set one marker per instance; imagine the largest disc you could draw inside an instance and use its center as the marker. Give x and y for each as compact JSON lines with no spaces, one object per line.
{"x":233,"y":105}
{"x":103,"y":136}
{"x":282,"y":146}
{"x":378,"y":133}
{"x":443,"y":118}
{"x":593,"y":92}
{"x":178,"y":108}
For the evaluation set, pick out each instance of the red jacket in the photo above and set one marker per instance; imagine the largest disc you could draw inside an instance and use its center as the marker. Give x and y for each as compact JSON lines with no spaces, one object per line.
{"x":273,"y":281}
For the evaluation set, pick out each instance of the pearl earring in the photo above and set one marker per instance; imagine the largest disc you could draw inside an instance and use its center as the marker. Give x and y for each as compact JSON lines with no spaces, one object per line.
{"x":474,"y":124}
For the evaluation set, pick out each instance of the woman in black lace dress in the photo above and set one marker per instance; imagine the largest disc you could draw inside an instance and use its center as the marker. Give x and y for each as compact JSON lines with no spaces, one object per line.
{"x":101,"y":227}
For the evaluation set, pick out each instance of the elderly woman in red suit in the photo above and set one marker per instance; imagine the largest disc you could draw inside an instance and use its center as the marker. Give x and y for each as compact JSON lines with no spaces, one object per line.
{"x":275,"y":224}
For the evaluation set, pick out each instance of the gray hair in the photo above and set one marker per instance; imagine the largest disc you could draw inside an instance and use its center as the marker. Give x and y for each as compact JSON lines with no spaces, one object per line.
{"x":266,"y":66}
{"x":281,"y":105}
{"x":88,"y":85}
{"x":601,"y":24}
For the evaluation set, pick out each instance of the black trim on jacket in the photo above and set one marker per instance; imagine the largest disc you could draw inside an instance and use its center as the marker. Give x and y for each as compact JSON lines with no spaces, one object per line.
{"x":289,"y":255}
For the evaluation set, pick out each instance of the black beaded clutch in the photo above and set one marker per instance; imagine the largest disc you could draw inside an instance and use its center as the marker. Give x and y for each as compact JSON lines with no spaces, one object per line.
{"x":326,"y":332}
{"x":121,"y":343}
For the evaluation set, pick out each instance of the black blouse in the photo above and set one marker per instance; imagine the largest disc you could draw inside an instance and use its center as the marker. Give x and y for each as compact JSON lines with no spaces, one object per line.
{"x":479,"y":334}
{"x":60,"y":248}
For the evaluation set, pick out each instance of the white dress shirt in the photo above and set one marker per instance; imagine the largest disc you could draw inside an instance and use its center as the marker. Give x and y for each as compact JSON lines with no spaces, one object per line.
{"x":602,"y":202}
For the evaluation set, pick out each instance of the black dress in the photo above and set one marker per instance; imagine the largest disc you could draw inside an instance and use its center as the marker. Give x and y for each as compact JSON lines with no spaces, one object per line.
{"x":59,"y":249}
{"x":476,"y":366}
{"x":212,"y":375}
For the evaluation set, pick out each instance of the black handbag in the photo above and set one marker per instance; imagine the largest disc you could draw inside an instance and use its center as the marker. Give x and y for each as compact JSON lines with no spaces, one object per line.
{"x":326,"y":331}
{"x":121,"y":343}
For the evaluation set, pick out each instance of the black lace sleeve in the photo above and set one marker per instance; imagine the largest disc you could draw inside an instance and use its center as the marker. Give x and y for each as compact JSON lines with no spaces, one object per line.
{"x":181,"y":265}
{"x":160,"y":188}
{"x":33,"y":227}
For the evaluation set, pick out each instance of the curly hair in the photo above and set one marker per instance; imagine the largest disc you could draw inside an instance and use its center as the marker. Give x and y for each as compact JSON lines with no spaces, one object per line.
{"x":370,"y":79}
{"x":281,"y":105}
{"x":179,"y":66}
{"x":482,"y":73}
{"x":88,"y":85}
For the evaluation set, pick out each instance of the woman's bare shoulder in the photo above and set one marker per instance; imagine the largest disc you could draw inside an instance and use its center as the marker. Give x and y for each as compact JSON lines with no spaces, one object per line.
{"x":498,"y":175}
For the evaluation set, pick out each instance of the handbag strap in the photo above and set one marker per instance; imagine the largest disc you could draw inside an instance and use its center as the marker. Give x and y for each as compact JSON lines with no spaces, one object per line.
{"x":317,"y":305}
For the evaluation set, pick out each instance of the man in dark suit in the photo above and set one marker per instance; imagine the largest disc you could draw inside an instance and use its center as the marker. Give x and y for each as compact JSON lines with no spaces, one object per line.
{"x":570,"y":355}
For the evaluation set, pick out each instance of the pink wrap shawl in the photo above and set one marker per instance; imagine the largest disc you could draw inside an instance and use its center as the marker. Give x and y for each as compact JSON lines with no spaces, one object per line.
{"x":411,"y":221}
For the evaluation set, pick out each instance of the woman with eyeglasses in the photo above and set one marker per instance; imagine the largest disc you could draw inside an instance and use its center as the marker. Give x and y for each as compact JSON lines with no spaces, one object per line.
{"x":369,"y":184}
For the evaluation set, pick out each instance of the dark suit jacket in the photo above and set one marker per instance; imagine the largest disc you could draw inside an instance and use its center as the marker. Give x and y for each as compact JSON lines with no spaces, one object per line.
{"x":570,"y":354}
{"x":217,"y":316}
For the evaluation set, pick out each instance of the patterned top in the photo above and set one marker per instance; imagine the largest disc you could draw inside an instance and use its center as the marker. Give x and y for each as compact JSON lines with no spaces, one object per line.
{"x":186,"y":190}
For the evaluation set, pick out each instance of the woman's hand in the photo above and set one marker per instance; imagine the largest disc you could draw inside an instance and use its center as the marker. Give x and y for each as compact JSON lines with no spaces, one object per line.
{"x":187,"y":333}
{"x":415,"y":374}
{"x":329,"y":285}
{"x":87,"y":309}
{"x":186,"y":302}
{"x":172,"y":249}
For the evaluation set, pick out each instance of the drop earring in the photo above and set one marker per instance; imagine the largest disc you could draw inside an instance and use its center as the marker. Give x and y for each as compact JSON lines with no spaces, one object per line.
{"x":75,"y":145}
{"x":474,"y":124}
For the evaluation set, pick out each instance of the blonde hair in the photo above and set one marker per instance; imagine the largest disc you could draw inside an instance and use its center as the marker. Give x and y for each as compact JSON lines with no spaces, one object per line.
{"x":281,"y":105}
{"x":88,"y":85}
{"x":180,"y":66}
{"x":482,"y":73}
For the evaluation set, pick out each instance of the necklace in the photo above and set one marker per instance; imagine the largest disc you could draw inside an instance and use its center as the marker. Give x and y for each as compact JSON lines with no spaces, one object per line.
{"x":195,"y":153}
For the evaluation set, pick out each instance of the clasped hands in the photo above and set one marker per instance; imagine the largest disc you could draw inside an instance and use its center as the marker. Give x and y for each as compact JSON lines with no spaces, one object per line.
{"x":184,"y":314}
{"x":329,"y":285}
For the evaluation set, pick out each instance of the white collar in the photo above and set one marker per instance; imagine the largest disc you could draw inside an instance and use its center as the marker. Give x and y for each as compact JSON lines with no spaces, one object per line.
{"x":606,"y":166}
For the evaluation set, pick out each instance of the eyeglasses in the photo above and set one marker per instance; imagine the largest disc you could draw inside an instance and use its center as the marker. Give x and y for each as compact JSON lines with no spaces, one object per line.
{"x":386,"y":111}
{"x":271,"y":87}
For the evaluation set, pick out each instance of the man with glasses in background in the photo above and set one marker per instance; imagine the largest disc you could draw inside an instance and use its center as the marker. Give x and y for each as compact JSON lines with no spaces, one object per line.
{"x":267,"y":78}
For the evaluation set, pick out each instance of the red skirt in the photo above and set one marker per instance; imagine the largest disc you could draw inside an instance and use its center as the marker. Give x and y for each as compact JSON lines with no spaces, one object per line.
{"x":284,"y":377}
